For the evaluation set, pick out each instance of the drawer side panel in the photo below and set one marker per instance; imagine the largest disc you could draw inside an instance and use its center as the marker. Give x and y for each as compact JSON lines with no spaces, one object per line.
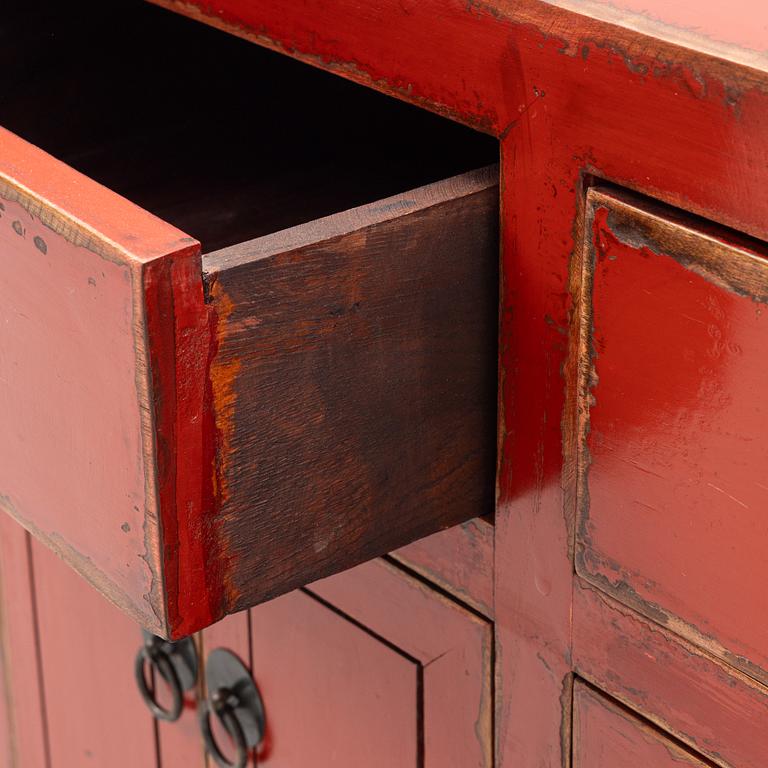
{"x":354,"y":386}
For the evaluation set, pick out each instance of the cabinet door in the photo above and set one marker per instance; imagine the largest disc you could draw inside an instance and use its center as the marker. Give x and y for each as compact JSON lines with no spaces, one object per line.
{"x":369,"y":668}
{"x":336,"y":695}
{"x":93,"y":712}
{"x":673,"y":453}
{"x":606,"y":735}
{"x":22,"y":731}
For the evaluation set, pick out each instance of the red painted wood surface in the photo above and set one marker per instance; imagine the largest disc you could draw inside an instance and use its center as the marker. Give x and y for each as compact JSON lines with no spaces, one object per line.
{"x":459,"y":559}
{"x":671,"y":508}
{"x":697,"y":698}
{"x":736,"y":31}
{"x":453,"y":647}
{"x":334,"y":693}
{"x":607,"y":736}
{"x":94,"y":713}
{"x":23,"y":736}
{"x":569,"y":95}
{"x":85,"y":274}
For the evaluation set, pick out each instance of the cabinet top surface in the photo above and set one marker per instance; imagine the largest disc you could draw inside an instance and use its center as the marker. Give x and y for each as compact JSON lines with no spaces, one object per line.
{"x":736,"y":31}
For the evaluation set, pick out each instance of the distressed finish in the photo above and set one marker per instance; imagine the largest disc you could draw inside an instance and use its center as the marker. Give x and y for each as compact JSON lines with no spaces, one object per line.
{"x":607,"y":736}
{"x":108,"y":448}
{"x":459,"y":559}
{"x":672,"y":494}
{"x":598,"y":91}
{"x":700,"y":700}
{"x":93,"y":293}
{"x":353,"y":384}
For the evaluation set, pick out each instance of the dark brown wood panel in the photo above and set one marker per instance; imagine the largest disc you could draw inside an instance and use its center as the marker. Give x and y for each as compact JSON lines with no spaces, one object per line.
{"x":23,"y":737}
{"x":354,"y":384}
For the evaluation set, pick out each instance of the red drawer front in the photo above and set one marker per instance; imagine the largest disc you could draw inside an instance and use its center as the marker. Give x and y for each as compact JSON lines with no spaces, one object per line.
{"x":673,"y":493}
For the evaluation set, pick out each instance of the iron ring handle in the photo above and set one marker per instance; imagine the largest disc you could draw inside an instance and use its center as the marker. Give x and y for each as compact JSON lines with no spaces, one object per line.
{"x":222,"y":710}
{"x":159,"y":659}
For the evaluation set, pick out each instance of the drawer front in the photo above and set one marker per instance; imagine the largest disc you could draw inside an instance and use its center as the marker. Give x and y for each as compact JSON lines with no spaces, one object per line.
{"x":91,"y":290}
{"x":369,"y":667}
{"x":606,"y":735}
{"x":672,"y":456}
{"x":195,"y":437}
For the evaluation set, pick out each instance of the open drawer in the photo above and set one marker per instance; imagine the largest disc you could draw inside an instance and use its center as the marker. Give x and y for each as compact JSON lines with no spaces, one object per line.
{"x":198,"y":433}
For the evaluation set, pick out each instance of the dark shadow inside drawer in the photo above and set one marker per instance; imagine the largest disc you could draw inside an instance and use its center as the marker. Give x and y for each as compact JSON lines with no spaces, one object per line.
{"x":350,"y":271}
{"x":222,"y":138}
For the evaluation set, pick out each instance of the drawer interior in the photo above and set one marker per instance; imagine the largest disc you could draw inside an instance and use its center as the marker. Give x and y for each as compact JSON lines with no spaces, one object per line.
{"x":224,"y":139}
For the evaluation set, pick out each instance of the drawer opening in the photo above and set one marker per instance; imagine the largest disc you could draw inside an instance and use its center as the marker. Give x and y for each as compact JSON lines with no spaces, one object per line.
{"x":315,"y":391}
{"x":224,"y":139}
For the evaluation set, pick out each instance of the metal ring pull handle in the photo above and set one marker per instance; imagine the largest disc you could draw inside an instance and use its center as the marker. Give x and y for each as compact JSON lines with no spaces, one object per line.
{"x":176,"y":663}
{"x":236,"y":702}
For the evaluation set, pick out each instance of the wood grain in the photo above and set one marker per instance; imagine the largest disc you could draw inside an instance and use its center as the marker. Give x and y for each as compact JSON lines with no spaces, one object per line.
{"x":112,"y":457}
{"x":353,"y":384}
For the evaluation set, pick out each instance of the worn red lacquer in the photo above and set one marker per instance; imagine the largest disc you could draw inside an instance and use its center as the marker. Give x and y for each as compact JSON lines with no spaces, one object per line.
{"x":673,"y":495}
{"x":607,"y":736}
{"x":571,"y":98}
{"x":107,"y":337}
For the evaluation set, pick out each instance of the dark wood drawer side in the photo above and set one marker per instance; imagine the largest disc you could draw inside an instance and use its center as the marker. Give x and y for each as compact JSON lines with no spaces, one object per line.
{"x":354,"y":384}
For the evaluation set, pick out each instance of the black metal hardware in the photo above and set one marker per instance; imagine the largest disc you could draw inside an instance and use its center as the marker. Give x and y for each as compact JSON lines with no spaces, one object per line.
{"x":175,"y":662}
{"x":235,"y":700}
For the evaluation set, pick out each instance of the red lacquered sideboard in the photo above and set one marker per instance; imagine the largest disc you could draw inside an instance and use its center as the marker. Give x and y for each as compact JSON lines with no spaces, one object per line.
{"x":406,"y":358}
